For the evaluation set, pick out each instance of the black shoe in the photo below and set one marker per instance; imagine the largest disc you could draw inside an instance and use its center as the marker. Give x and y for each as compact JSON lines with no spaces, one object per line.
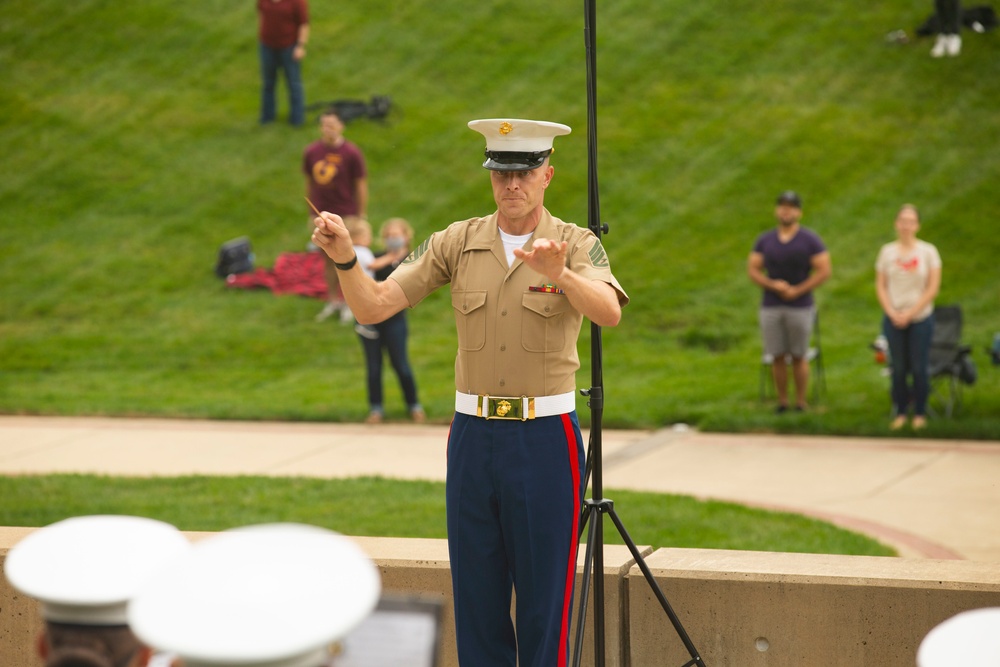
{"x":781,"y":409}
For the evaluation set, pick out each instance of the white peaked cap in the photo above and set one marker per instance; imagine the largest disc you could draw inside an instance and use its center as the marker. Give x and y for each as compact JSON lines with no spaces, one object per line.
{"x":84,"y":570}
{"x":515,"y":144}
{"x":969,"y":639}
{"x":273,"y":595}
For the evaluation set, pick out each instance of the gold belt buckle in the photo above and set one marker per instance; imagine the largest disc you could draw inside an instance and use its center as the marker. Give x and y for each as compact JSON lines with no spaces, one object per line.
{"x":506,"y":407}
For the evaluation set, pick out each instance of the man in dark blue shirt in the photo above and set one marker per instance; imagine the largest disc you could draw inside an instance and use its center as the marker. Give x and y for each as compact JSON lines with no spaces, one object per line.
{"x":788,"y":262}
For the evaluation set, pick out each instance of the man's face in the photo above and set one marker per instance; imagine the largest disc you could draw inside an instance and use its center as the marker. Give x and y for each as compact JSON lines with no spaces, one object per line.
{"x":518,"y":193}
{"x":787,"y":214}
{"x":116,"y":643}
{"x":331,"y":129}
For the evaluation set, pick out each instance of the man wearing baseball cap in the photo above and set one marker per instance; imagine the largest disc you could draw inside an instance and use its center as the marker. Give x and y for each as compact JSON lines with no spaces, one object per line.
{"x":521,"y":282}
{"x":788,"y":262}
{"x":270,"y":595}
{"x":83,"y":571}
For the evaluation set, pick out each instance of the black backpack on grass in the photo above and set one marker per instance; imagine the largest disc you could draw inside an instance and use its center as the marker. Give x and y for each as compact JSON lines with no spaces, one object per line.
{"x":235,"y":256}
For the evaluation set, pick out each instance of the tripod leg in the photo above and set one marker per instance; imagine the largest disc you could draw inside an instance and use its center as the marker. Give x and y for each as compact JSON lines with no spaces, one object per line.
{"x":599,"y":643}
{"x":584,"y":589}
{"x":640,"y":561}
{"x":584,"y":518}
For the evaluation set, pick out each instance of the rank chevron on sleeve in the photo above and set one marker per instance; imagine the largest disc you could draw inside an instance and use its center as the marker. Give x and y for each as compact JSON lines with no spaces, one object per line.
{"x":598,"y":257}
{"x":421,"y":249}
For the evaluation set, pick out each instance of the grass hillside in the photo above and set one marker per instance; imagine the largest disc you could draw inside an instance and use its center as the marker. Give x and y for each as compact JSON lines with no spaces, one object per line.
{"x":130,"y":152}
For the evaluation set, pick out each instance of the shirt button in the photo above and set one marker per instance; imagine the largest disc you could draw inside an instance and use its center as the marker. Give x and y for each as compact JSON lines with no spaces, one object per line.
{"x":547,"y":309}
{"x":502,"y":382}
{"x":503,"y":313}
{"x":503,"y":348}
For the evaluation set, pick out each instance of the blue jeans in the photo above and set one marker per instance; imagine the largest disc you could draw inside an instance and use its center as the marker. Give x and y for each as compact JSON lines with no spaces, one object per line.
{"x":909,"y":350}
{"x":392,"y":336}
{"x":271,"y":60}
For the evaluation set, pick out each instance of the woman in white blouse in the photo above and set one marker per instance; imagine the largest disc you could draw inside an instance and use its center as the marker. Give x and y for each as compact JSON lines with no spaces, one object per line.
{"x":907,"y":279}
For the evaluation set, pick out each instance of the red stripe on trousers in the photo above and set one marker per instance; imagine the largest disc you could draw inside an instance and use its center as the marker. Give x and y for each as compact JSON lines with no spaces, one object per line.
{"x":574,"y":467}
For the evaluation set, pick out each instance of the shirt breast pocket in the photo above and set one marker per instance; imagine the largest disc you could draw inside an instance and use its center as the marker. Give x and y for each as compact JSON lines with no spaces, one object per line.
{"x":470,"y":318}
{"x":543,"y":326}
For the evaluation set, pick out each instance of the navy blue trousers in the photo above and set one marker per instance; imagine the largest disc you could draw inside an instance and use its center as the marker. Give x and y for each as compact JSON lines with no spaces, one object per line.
{"x":514,"y":493}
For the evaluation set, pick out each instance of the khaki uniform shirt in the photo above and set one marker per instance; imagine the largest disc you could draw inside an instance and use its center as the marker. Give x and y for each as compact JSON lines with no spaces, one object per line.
{"x":512,"y":340}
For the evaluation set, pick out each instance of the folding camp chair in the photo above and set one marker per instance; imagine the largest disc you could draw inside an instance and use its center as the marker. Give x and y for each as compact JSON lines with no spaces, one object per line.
{"x":951,"y":365}
{"x":815,"y":356}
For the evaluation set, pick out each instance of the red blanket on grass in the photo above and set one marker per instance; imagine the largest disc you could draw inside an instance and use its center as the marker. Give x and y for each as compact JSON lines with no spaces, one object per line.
{"x":293,"y":273}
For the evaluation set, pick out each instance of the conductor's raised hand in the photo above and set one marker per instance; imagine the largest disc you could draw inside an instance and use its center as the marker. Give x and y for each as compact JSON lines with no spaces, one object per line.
{"x":547,"y":257}
{"x":332,"y":236}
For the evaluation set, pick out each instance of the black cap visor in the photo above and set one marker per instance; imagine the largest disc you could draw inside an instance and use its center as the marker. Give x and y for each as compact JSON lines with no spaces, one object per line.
{"x":511,"y":161}
{"x":789,"y":198}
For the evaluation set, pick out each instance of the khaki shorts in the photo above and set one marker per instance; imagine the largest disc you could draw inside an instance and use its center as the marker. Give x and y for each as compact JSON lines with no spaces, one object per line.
{"x":786,"y":330}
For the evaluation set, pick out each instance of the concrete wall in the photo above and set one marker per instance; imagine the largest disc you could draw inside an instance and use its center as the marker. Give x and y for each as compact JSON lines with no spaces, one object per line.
{"x":19,"y":619}
{"x":740,"y":609}
{"x":753,"y":609}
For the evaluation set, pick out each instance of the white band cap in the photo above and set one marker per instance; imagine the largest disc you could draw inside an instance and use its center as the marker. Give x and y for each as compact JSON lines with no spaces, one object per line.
{"x":85,"y":569}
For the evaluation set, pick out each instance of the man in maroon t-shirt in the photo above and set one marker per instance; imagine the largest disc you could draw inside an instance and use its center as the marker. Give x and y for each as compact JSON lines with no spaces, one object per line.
{"x":336,"y":181}
{"x":283,"y":33}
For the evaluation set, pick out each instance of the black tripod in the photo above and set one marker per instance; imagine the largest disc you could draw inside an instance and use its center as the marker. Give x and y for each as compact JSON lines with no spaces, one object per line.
{"x":595,"y":510}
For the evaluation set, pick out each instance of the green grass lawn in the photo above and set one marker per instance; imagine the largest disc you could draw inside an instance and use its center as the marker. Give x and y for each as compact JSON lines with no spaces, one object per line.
{"x":130,"y":152}
{"x":403,"y":509}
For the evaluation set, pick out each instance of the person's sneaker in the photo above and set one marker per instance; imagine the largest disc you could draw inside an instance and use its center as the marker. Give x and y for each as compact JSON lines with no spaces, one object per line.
{"x":953,"y":45}
{"x":898,"y":423}
{"x":940,"y":46}
{"x":328,"y":310}
{"x":781,"y":409}
{"x":366,"y":331}
{"x":374,"y":418}
{"x":418,"y":415}
{"x":346,"y":316}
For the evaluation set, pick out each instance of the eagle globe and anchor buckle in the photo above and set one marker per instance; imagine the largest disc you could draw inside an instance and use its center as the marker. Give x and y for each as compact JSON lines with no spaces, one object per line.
{"x":506,"y":407}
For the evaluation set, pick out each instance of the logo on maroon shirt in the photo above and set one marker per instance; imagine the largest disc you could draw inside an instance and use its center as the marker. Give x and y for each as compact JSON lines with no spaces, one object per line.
{"x":325,"y":170}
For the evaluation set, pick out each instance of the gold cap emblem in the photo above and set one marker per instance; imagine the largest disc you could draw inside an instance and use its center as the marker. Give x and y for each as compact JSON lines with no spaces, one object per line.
{"x":506,"y":128}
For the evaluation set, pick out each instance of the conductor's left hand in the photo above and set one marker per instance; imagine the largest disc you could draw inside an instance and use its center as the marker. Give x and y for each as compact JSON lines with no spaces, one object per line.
{"x":547,"y":257}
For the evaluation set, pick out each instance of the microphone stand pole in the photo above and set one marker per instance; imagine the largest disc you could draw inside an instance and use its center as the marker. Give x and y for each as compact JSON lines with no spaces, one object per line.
{"x":594,"y":510}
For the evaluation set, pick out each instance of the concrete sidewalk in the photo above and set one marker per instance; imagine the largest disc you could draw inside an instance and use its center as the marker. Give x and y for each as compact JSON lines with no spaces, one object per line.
{"x":926,"y":498}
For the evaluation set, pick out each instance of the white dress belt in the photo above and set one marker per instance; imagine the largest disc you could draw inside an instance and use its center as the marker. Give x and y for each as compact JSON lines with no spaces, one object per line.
{"x":514,"y":407}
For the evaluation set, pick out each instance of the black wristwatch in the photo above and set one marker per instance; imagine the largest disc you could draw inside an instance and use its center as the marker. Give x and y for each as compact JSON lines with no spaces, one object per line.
{"x":347,"y":266}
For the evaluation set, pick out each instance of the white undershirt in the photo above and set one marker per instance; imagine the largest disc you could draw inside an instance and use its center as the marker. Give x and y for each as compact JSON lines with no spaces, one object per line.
{"x":510,"y":242}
